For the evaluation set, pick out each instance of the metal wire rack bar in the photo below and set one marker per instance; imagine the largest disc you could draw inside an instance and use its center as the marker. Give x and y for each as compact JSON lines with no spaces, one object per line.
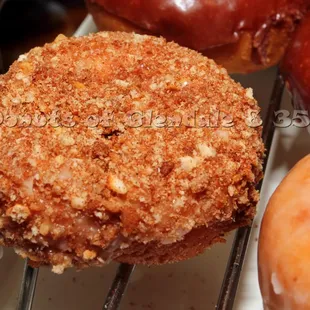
{"x":28,"y":287}
{"x":237,"y":255}
{"x":118,"y":287}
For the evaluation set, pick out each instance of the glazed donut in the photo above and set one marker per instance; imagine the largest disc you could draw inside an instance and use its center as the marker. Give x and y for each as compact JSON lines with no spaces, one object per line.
{"x":284,"y":256}
{"x":296,"y":66}
{"x":99,"y":185}
{"x":241,"y":35}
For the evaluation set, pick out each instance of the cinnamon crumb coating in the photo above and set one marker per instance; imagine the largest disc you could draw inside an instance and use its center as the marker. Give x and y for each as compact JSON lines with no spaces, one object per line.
{"x":95,"y":186}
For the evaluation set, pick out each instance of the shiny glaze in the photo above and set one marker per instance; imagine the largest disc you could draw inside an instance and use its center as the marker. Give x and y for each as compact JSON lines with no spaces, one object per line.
{"x":296,"y":65}
{"x":201,"y":24}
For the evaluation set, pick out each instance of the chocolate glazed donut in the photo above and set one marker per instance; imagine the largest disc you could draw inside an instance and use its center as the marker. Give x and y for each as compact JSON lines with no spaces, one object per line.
{"x":242,"y":35}
{"x":296,"y":66}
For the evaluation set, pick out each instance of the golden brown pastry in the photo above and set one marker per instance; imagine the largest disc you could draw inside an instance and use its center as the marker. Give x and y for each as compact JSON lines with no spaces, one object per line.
{"x":116,"y":181}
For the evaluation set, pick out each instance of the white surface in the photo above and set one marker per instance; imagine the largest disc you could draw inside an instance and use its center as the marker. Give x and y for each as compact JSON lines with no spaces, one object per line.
{"x":191,"y":285}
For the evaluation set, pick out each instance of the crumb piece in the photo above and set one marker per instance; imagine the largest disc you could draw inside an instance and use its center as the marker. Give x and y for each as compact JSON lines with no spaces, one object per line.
{"x":54,"y":59}
{"x":98,"y":214}
{"x":58,"y":269}
{"x":166,"y":168}
{"x":153,"y":86}
{"x":21,"y":253}
{"x":22,"y":57}
{"x":16,"y":100}
{"x":79,"y":85}
{"x":189,"y":163}
{"x":89,"y":255}
{"x":18,"y":213}
{"x":79,"y":202}
{"x":44,"y":229}
{"x":26,"y":67}
{"x":34,"y":230}
{"x":60,"y":159}
{"x":19,"y":76}
{"x":116,"y":185}
{"x":157,"y":218}
{"x":67,"y":140}
{"x":122,"y":83}
{"x":134,"y":94}
{"x":60,"y":38}
{"x":100,"y":150}
{"x":206,"y":151}
{"x":124,"y":246}
{"x":36,"y":207}
{"x":249,"y":93}
{"x":231,"y":190}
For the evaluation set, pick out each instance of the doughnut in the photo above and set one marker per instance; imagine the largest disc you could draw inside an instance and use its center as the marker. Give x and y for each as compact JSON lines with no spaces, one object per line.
{"x":243,"y":36}
{"x":284,"y":269}
{"x":113,"y":148}
{"x":296,"y":66}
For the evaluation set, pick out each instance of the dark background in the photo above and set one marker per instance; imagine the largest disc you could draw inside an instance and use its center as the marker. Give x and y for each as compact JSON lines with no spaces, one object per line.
{"x":28,"y":23}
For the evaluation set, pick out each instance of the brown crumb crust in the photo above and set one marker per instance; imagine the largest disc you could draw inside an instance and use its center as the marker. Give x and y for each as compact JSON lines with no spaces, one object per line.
{"x":84,"y":195}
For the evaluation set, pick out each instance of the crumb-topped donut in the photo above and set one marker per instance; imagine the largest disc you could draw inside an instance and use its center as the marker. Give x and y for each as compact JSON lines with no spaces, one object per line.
{"x":112,"y":149}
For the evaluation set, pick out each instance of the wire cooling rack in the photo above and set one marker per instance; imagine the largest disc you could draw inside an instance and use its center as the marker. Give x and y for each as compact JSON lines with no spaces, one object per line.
{"x":234,"y":267}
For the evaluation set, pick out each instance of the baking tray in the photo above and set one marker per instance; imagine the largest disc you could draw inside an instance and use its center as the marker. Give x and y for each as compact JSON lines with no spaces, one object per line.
{"x":191,"y":285}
